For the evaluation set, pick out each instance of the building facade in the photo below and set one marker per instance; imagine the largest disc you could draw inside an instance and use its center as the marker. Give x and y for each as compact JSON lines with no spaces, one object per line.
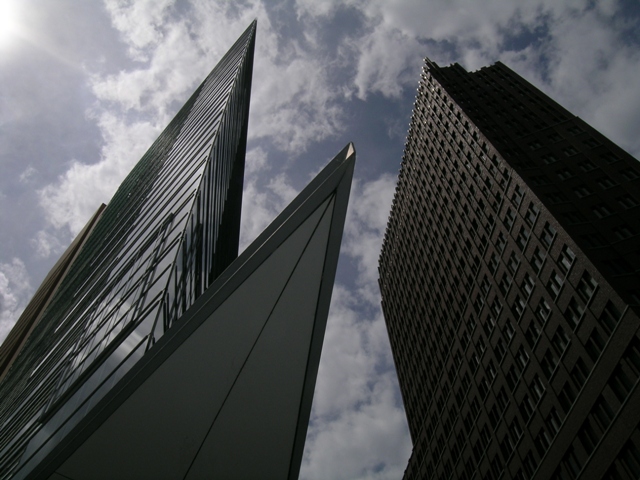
{"x":152,"y":350}
{"x":510,"y":281}
{"x":170,"y":229}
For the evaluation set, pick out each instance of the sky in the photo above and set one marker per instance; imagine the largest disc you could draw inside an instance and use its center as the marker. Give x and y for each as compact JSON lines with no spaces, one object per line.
{"x":85,"y":87}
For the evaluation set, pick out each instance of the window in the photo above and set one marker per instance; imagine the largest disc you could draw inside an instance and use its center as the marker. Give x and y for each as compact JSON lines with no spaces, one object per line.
{"x":610,"y":157}
{"x":555,"y":283}
{"x":491,"y":370}
{"x":594,"y":240}
{"x":609,"y":318}
{"x":629,"y":173}
{"x":619,"y":266}
{"x":529,"y":464}
{"x":542,"y":441}
{"x":620,"y":384}
{"x":540,"y":180}
{"x":602,"y":210}
{"x":605,"y":182}
{"x":522,"y":357}
{"x":512,"y":377}
{"x":571,"y":464}
{"x":586,"y":286}
{"x":630,"y":460}
{"x":623,"y":231}
{"x":575,"y":130}
{"x":553,"y":421}
{"x":509,"y":218}
{"x":513,"y":263}
{"x":579,"y":373}
{"x":588,"y":437}
{"x":566,"y":259}
{"x":566,"y":397}
{"x":594,"y":344}
{"x":573,"y":313}
{"x":569,"y":151}
{"x":532,"y":333}
{"x":493,"y":262}
{"x":505,"y":283}
{"x":501,"y":241}
{"x":508,"y":330}
{"x":586,"y":166}
{"x":602,"y":413}
{"x":574,"y":218}
{"x":564,"y":173}
{"x":537,"y":259}
{"x":527,"y":284}
{"x":532,"y":214}
{"x":560,"y":340}
{"x":582,"y":191}
{"x":535,"y":145}
{"x":480,"y":345}
{"x":627,"y":201}
{"x":548,"y":363}
{"x":554,"y":137}
{"x":536,"y":388}
{"x":592,"y":142}
{"x":549,"y":158}
{"x":526,"y":407}
{"x":522,"y":238}
{"x":514,"y":429}
{"x":557,"y":197}
{"x":518,"y":306}
{"x":496,"y":307}
{"x":548,"y":234}
{"x":485,"y":285}
{"x":517,"y":196}
{"x":543,"y":311}
{"x":499,"y":350}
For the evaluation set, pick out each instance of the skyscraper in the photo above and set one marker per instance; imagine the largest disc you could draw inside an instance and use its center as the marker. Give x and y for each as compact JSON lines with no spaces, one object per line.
{"x":161,"y":353}
{"x":510,"y":280}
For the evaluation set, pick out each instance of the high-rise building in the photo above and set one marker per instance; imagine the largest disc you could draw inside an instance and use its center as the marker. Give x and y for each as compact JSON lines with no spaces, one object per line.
{"x":30,"y":317}
{"x":510,"y":280}
{"x":157,"y":352}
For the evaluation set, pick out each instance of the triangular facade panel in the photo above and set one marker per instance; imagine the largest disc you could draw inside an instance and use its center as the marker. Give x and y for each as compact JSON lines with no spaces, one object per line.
{"x":227,"y":392}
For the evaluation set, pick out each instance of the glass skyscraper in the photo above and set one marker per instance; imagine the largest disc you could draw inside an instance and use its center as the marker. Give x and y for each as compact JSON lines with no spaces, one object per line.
{"x":168,"y":232}
{"x":152,"y":350}
{"x":510,"y":280}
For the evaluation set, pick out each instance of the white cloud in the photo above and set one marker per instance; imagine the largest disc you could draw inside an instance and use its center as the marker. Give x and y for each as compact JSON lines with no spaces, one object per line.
{"x":389,"y":60}
{"x":256,"y":160}
{"x":366,"y":223}
{"x":358,"y":426}
{"x":125,"y":15}
{"x":27,"y":175}
{"x":15,"y":291}
{"x":292,"y":101}
{"x":47,"y":243}
{"x":76,"y":195}
{"x":260,"y":205}
{"x":592,"y":82}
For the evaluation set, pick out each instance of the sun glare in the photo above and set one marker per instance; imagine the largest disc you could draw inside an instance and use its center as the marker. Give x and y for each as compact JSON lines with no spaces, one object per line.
{"x":7,"y":21}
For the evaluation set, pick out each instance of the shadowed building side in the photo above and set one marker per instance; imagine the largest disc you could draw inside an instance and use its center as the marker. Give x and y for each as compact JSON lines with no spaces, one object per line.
{"x":510,"y":285}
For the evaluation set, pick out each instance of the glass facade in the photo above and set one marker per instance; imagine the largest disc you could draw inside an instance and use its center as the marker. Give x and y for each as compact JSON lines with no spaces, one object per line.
{"x":171,"y":228}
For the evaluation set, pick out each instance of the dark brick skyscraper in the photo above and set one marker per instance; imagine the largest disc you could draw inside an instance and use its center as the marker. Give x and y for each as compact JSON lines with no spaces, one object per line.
{"x":510,"y":278}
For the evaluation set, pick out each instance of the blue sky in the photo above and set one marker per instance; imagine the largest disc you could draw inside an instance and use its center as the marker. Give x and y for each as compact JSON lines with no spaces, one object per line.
{"x":85,"y":87}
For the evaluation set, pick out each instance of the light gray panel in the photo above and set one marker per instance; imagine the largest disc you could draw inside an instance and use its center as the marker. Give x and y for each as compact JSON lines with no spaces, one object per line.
{"x":254,"y":433}
{"x":157,"y":431}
